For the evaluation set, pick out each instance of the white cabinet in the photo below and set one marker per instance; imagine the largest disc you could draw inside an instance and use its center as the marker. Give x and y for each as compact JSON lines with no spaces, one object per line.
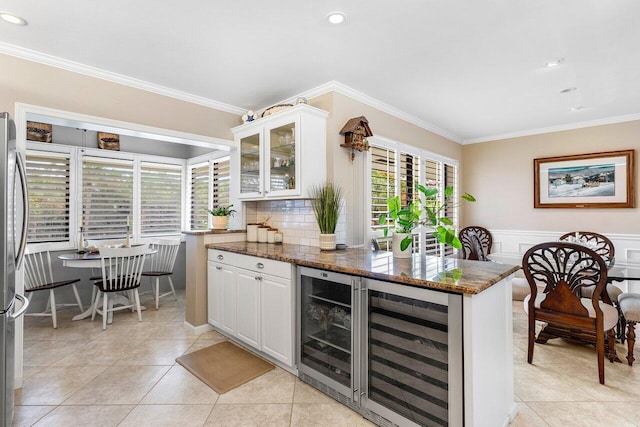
{"x":252,"y":299}
{"x":282,"y":155}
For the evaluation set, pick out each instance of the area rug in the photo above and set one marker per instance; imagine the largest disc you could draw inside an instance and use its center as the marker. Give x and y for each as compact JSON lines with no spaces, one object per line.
{"x":224,"y":366}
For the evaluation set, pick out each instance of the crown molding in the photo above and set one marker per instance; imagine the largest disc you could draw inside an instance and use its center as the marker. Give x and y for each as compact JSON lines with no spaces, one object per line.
{"x":342,"y":89}
{"x":559,"y":128}
{"x":76,"y":67}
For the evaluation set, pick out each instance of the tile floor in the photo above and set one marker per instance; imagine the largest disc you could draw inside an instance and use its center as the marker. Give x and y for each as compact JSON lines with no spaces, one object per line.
{"x":79,"y":375}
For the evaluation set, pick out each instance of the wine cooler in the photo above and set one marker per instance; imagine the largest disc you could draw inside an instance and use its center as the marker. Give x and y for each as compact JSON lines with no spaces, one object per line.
{"x":390,"y":352}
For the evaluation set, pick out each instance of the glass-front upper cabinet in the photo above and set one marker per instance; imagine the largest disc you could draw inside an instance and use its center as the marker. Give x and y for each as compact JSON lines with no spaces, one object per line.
{"x":273,"y":150}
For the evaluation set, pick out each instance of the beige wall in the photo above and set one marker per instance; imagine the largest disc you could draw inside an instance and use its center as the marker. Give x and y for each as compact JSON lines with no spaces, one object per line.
{"x":500,"y":175}
{"x":33,"y":83}
{"x":352,"y":175}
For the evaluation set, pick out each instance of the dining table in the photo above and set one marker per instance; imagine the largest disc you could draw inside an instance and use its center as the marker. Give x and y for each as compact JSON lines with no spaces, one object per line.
{"x":86,"y":259}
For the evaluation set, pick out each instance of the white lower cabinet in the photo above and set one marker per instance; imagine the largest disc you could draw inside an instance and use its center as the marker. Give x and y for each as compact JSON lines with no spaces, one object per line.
{"x":251,"y":299}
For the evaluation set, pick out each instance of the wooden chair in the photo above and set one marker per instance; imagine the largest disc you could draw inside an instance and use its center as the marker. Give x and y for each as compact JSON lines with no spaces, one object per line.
{"x":38,"y":276}
{"x":604,"y":247}
{"x":630,"y":307}
{"x":563,"y":269}
{"x":161,"y":264}
{"x":476,"y":243}
{"x":121,"y":272}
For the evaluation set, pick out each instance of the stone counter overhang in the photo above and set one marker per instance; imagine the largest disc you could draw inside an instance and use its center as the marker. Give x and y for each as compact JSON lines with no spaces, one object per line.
{"x":445,"y":274}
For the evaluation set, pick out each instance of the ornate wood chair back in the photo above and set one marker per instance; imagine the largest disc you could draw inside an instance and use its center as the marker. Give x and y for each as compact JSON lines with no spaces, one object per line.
{"x":476,"y":243}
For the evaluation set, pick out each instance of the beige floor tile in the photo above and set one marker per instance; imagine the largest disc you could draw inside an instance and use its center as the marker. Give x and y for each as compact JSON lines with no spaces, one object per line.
{"x":119,"y":385}
{"x":200,"y":344}
{"x":212,"y":336}
{"x":538,"y":383}
{"x":53,"y":385}
{"x":170,"y":416}
{"x":335,"y":415}
{"x":272,"y":415}
{"x":155,"y":352}
{"x":96,"y":353}
{"x":276,"y":386}
{"x":96,"y":416}
{"x":304,"y":393}
{"x":180,"y":387}
{"x":579,"y":414}
{"x":25,"y":416}
{"x":170,"y":331}
{"x":629,"y":410}
{"x":47,"y":353}
{"x":527,"y":418}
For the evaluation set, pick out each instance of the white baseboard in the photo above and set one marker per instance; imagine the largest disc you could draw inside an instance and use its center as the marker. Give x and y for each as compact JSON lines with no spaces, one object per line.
{"x":198,"y":329}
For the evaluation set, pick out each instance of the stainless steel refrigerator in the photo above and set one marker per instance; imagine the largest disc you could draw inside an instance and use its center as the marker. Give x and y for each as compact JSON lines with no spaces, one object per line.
{"x":14,"y":209}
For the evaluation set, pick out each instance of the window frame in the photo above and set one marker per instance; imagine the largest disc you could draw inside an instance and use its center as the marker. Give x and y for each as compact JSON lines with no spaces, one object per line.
{"x":210,"y":159}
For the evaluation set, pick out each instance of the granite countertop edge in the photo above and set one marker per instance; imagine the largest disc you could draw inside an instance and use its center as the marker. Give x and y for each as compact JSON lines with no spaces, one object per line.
{"x":203,"y":232}
{"x":446,"y":285}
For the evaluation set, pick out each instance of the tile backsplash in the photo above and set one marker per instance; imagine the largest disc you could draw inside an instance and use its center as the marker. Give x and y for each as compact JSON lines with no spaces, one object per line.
{"x":295,"y":219}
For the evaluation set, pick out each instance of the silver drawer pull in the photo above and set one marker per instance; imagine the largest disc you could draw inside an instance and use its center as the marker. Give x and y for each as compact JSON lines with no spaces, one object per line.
{"x":218,"y":267}
{"x":258,"y":278}
{"x":220,"y":257}
{"x":260,"y":265}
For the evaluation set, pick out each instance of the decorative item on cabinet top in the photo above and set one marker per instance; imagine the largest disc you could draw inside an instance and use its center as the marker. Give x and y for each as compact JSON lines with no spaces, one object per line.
{"x":40,"y":132}
{"x":275,"y":109}
{"x":109,"y":141}
{"x":355,"y":133}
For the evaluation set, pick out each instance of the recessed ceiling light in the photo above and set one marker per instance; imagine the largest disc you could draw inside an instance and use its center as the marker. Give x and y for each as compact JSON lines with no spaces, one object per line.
{"x":578,"y":108}
{"x":336,"y":18}
{"x":554,"y":63}
{"x":567,"y":90}
{"x":12,"y":19}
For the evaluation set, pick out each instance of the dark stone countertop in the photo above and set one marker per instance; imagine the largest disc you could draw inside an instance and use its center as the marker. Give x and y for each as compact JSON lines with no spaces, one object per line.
{"x":445,"y":274}
{"x":202,"y":232}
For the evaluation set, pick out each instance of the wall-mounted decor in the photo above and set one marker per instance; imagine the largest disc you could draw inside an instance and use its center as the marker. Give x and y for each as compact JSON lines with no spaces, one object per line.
{"x":40,"y":132}
{"x":355,"y":133}
{"x":109,"y":141}
{"x":596,"y":180}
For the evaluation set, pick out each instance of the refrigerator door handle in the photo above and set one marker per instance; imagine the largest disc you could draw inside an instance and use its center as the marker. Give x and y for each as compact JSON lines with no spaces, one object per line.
{"x":25,"y":202}
{"x":25,"y":305}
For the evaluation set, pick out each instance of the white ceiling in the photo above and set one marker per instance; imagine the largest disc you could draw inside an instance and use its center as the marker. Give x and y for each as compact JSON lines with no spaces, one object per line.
{"x":472,"y":70}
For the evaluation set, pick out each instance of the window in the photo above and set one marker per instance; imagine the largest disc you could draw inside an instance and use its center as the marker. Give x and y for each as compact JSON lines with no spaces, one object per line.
{"x":107,"y":196}
{"x":220,"y":185}
{"x":49,"y":195}
{"x":412,"y":167}
{"x":160,"y":199}
{"x":208,"y":178}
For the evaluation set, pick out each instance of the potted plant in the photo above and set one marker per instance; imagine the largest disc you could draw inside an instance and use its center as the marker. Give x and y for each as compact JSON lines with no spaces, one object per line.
{"x":221,"y":216}
{"x":326,"y":200}
{"x":405,"y":219}
{"x":436,"y":210}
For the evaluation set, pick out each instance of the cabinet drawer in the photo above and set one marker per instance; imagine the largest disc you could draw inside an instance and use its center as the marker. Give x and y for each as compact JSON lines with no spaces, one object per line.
{"x":257,"y":264}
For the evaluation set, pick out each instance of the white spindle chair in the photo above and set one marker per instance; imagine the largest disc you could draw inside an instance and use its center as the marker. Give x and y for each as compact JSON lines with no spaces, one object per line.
{"x":38,"y":276}
{"x":121,"y":272}
{"x":161,"y":264}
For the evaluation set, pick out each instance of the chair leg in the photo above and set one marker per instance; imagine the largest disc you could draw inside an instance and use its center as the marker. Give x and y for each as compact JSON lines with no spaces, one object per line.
{"x":78,"y":300}
{"x":156,"y":288}
{"x":96,"y":301}
{"x":532,"y":337}
{"x":611,"y":343}
{"x":172,"y":288}
{"x":600,"y":352}
{"x":135,"y":293}
{"x":52,"y":302}
{"x":631,"y":341}
{"x":105,"y":312}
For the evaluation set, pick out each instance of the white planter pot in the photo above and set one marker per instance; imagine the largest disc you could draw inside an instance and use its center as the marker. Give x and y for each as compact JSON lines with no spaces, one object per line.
{"x":327,"y":242}
{"x":220,"y":222}
{"x":397,"y":252}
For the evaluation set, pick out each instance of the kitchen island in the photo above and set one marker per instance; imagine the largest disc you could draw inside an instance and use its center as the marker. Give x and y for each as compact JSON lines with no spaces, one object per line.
{"x":448,"y":321}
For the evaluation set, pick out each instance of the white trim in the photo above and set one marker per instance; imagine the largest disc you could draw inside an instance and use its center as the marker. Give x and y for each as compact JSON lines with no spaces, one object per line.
{"x":558,"y":128}
{"x":87,"y":70}
{"x":69,"y":118}
{"x":342,"y":89}
{"x":197,"y":330}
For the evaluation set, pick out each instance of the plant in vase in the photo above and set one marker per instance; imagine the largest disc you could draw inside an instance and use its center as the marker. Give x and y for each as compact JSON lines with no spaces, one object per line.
{"x":326,"y":200}
{"x":221,"y":216}
{"x":436,"y":210}
{"x":404,"y":219}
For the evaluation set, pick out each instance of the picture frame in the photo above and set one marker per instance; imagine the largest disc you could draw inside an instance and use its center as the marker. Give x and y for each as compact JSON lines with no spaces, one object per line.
{"x":595,"y":180}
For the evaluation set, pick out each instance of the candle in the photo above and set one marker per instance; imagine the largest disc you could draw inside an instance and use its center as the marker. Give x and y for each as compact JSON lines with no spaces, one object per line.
{"x":127,"y":220}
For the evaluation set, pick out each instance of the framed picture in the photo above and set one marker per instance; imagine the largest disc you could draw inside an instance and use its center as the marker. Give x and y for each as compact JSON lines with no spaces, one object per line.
{"x":596,"y":180}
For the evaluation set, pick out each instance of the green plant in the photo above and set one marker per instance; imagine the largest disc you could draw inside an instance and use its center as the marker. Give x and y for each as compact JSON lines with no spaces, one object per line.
{"x":222,"y":210}
{"x":436,"y":210}
{"x":326,"y":206}
{"x":405,"y":219}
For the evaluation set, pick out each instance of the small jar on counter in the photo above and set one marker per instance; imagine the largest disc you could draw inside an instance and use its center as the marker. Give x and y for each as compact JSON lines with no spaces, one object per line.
{"x":262,"y":233}
{"x":252,"y":232}
{"x":278,"y":237}
{"x":271,"y":235}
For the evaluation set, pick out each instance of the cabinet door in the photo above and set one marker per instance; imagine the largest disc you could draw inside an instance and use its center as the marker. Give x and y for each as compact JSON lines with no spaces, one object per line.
{"x":276,"y":315}
{"x":249,"y":307}
{"x":218,"y":275}
{"x":283,"y":159}
{"x":227,"y":298}
{"x":251,"y":166}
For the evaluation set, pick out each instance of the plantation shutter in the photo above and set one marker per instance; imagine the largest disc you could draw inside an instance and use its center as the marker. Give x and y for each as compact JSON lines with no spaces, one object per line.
{"x":383,"y":184}
{"x":49,"y":194}
{"x":199,"y":196}
{"x":220,"y":185}
{"x":107,"y":196}
{"x":160,"y":199}
{"x":451,"y":212}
